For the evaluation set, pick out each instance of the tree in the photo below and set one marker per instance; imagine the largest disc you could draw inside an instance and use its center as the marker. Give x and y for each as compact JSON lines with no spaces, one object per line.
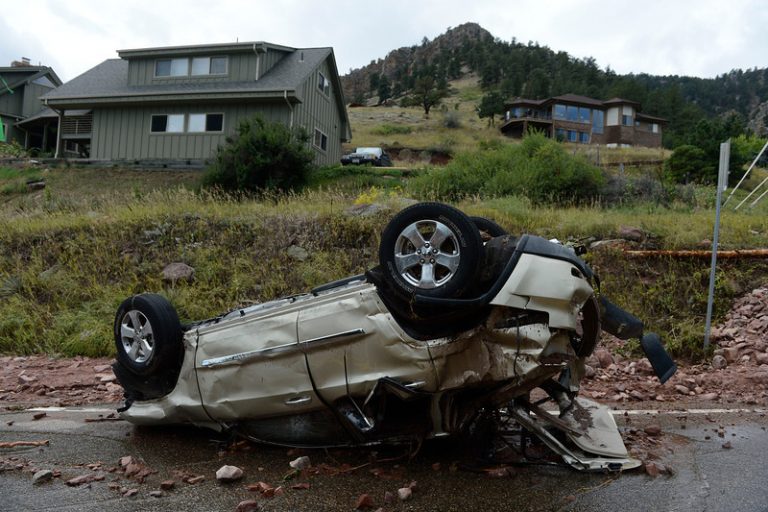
{"x":490,"y":105}
{"x":427,"y":94}
{"x":261,"y":156}
{"x":385,"y":90}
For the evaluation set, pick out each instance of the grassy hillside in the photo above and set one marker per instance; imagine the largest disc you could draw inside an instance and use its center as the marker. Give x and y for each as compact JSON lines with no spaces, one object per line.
{"x":70,"y":253}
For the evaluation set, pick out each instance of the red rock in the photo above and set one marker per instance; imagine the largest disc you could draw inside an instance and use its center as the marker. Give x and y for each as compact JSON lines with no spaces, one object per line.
{"x":731,"y":354}
{"x":167,"y":485}
{"x":389,"y":498}
{"x":195,"y":479}
{"x":653,"y":430}
{"x":301,"y":486}
{"x":248,"y":506}
{"x":603,"y":357}
{"x":364,"y":501}
{"x":652,"y":469}
{"x":709,"y":396}
{"x":124,"y":461}
{"x":130,"y":493}
{"x":39,"y":415}
{"x":80,"y":480}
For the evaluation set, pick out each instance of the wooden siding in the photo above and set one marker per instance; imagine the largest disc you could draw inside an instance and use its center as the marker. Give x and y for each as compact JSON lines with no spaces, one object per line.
{"x":322,"y":112}
{"x":12,"y":103}
{"x":124,"y":133}
{"x":240,"y":67}
{"x":32,"y":104}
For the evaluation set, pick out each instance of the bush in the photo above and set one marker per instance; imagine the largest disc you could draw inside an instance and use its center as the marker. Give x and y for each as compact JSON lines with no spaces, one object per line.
{"x":391,"y":129}
{"x":261,"y":156}
{"x":690,"y":164}
{"x":451,"y":120}
{"x":539,"y":169}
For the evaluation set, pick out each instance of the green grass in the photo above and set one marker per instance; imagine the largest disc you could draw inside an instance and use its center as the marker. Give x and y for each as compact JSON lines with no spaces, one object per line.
{"x":70,"y":254}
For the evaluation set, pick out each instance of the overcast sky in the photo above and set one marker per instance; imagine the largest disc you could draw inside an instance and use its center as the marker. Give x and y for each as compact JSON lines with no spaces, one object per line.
{"x":699,"y":38}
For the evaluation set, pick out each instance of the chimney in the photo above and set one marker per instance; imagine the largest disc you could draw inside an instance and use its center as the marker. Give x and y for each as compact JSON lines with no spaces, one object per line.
{"x":23,"y":63}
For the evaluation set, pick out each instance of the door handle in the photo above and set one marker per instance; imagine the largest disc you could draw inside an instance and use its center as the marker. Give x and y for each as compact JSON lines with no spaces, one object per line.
{"x":298,"y":400}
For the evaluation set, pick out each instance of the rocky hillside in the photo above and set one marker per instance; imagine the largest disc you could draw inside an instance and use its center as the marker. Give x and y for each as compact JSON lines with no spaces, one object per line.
{"x":531,"y":70}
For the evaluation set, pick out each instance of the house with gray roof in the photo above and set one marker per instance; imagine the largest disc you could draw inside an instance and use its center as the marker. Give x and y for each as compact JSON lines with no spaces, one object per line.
{"x":181,"y":102}
{"x":573,"y":118}
{"x":21,"y":86}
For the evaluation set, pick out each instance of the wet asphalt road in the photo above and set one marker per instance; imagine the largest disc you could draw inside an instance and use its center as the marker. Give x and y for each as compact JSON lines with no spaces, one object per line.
{"x":707,"y":477}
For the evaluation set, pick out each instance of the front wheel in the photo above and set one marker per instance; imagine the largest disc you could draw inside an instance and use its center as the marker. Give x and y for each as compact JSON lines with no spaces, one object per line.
{"x":431,"y":249}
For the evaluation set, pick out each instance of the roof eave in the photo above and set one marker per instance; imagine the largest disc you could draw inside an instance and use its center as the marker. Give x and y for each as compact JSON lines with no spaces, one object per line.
{"x":168,"y":51}
{"x":86,"y":101}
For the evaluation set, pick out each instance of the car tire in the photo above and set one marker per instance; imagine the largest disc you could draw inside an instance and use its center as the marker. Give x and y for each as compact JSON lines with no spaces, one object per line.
{"x":148,"y":336}
{"x":430,"y":249}
{"x":488,"y":228}
{"x":589,"y":324}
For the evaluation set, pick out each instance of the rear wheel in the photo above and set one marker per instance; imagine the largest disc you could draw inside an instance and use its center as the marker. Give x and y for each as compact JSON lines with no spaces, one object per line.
{"x":431,"y":249}
{"x":488,"y":228}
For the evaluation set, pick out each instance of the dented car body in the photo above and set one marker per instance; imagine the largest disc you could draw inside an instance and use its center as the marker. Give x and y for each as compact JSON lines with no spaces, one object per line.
{"x":364,"y":361}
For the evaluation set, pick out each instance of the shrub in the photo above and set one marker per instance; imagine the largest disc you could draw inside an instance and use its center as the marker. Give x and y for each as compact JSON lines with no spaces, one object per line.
{"x":539,"y":169}
{"x":690,"y":164}
{"x":451,"y":120}
{"x":391,"y":129}
{"x":260,"y":156}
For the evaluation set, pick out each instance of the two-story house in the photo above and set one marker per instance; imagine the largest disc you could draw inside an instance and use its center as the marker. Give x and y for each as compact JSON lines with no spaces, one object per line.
{"x":181,"y":102}
{"x":580,"y":119}
{"x":21,"y":86}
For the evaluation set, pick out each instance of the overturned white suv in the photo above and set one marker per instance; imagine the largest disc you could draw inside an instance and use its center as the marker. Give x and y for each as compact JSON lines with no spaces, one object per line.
{"x":446,"y":332}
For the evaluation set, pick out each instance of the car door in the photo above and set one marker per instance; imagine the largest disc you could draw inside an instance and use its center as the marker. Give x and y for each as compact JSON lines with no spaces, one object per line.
{"x":351,"y":342}
{"x":252,"y":367}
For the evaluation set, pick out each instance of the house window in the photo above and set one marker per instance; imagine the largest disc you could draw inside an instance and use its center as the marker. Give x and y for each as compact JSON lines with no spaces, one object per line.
{"x":655,"y":127}
{"x":320,"y":140}
{"x":626,"y":120}
{"x":584,"y":137}
{"x":559,"y":134}
{"x":598,"y":121}
{"x":584,"y":115}
{"x":573,"y":136}
{"x":323,"y":84}
{"x":172,"y":67}
{"x":205,"y":123}
{"x":209,"y":65}
{"x":572,"y":113}
{"x":559,"y":112}
{"x":167,"y":123}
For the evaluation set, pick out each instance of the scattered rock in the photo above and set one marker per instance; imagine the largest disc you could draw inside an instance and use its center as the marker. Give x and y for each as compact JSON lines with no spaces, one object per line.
{"x":709,"y":396}
{"x":130,"y":493}
{"x":248,"y":506}
{"x":229,"y":474}
{"x":297,"y":253}
{"x":731,"y":354}
{"x":302,"y":462}
{"x":364,"y":501}
{"x":127,"y":460}
{"x":101,"y":368}
{"x":604,"y":357}
{"x":195,"y":479}
{"x":719,"y":362}
{"x":404,"y":493}
{"x":727,"y":445}
{"x":26,"y":379}
{"x":174,"y":272}
{"x":631,"y":234}
{"x":303,"y":486}
{"x":156,"y":494}
{"x":167,"y":485}
{"x":652,"y":469}
{"x":365,"y":210}
{"x":44,"y":475}
{"x":39,"y":415}
{"x":389,"y":498}
{"x":653,"y":430}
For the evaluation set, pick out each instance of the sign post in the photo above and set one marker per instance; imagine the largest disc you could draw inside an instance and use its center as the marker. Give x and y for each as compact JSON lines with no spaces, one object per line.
{"x":722,"y":185}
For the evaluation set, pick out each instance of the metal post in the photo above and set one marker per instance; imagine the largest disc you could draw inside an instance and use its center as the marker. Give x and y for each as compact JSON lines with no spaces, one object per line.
{"x":722,"y":184}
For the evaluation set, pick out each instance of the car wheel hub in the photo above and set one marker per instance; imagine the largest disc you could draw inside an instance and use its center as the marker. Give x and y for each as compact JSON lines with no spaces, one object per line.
{"x":137,"y":336}
{"x":427,"y":254}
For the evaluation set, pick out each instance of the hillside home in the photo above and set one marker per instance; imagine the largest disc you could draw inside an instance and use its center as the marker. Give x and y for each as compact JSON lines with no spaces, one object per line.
{"x":573,"y":118}
{"x":21,"y":86}
{"x":181,"y":102}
